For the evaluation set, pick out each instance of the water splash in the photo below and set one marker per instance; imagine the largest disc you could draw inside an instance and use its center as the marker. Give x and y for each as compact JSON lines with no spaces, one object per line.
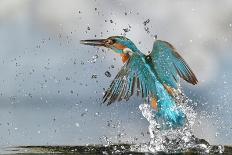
{"x":93,"y":59}
{"x":174,"y":140}
{"x":170,"y":141}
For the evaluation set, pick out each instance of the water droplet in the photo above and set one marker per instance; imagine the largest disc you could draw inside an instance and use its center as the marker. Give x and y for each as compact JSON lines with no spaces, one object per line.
{"x":146,"y":22}
{"x":155,"y":37}
{"x":94,"y":76}
{"x":108,"y":74}
{"x":93,"y":59}
{"x":77,"y":124}
{"x":126,"y":30}
{"x":147,"y":29}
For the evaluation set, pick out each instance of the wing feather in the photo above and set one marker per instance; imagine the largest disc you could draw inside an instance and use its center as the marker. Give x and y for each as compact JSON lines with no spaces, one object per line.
{"x":132,"y":76}
{"x":169,"y":65}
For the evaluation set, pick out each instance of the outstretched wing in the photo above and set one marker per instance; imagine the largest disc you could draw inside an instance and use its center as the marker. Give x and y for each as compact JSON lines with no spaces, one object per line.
{"x":133,"y":76}
{"x":169,"y":65}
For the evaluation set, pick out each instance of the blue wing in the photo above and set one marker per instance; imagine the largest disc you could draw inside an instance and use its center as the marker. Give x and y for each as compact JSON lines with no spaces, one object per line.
{"x":133,"y":76}
{"x":147,"y":75}
{"x":138,"y":75}
{"x":169,"y":65}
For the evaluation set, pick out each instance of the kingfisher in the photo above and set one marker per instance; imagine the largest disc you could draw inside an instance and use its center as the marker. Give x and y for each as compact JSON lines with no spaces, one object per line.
{"x":154,"y":76}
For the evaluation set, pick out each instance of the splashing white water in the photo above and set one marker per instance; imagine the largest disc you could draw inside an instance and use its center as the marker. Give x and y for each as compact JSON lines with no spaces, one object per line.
{"x":173,"y":140}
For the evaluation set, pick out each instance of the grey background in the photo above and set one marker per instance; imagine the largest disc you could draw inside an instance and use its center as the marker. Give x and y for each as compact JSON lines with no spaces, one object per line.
{"x":48,"y":95}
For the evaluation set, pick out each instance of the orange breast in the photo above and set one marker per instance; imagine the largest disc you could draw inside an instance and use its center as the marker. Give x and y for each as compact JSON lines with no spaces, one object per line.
{"x":125,"y":57}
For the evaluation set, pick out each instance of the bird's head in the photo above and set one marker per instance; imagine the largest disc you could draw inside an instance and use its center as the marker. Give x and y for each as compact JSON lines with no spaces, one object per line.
{"x":119,"y":44}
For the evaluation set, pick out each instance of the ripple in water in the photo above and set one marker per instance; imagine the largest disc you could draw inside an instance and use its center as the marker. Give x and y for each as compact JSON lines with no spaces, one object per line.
{"x":174,"y":140}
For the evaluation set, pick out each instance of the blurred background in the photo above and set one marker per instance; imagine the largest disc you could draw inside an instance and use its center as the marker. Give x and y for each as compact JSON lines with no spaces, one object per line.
{"x":51,"y":86}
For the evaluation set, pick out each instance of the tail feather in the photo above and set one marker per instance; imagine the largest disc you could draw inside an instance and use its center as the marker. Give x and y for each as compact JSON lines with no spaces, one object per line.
{"x":170,"y":118}
{"x":168,"y":114}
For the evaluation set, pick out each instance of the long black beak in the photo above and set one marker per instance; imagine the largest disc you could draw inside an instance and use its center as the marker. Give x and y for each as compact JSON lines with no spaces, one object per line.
{"x":94,"y":42}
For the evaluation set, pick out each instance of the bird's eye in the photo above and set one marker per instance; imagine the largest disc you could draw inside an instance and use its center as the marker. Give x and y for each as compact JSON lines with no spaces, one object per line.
{"x":109,"y":42}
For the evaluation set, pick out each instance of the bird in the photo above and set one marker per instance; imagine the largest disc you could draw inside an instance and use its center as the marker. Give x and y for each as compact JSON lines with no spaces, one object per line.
{"x":154,"y":76}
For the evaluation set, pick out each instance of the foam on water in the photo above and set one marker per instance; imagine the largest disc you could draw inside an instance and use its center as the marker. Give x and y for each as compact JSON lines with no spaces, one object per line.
{"x":173,"y":140}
